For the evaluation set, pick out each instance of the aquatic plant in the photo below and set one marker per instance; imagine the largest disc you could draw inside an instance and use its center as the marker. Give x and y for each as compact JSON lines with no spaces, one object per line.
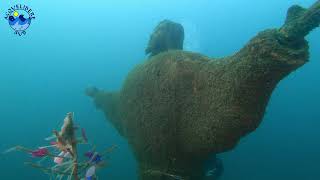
{"x":60,"y":159}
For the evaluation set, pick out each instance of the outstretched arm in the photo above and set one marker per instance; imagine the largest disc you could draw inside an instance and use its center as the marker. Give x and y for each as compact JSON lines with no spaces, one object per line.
{"x":274,"y":53}
{"x":269,"y":57}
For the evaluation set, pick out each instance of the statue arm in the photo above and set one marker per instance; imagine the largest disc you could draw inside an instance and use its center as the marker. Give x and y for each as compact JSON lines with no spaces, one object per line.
{"x":273,"y":54}
{"x":256,"y":69}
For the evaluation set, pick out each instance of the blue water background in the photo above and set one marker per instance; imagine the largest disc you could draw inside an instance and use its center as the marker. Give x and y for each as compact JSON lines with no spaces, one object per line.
{"x":74,"y":44}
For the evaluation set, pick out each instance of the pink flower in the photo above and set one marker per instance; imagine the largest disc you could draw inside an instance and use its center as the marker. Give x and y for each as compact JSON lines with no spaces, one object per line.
{"x":53,"y":143}
{"x":60,"y":157}
{"x":40,"y":152}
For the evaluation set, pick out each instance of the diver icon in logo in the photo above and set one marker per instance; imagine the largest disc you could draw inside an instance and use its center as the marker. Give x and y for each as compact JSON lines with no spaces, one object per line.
{"x":19,"y":18}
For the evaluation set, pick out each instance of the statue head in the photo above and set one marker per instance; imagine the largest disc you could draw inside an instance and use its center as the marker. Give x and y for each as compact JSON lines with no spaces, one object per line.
{"x":167,"y":35}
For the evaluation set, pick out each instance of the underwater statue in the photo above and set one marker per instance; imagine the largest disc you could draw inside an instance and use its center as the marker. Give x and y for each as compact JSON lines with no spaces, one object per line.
{"x":178,"y":108}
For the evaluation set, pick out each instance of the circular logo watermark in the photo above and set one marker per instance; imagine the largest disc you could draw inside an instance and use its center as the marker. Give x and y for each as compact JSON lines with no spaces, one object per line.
{"x":19,"y":18}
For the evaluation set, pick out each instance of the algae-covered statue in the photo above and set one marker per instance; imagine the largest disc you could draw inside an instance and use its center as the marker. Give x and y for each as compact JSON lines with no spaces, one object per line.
{"x":179,"y":107}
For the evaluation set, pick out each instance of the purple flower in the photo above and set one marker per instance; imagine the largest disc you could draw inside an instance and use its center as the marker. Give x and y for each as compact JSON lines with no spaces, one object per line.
{"x":94,"y":157}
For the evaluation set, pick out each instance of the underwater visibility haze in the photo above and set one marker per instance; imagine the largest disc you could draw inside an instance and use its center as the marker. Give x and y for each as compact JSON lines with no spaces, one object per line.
{"x":161,"y":90}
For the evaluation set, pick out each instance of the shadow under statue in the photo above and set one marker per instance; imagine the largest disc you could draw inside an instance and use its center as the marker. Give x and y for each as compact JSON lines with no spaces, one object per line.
{"x":178,"y":107}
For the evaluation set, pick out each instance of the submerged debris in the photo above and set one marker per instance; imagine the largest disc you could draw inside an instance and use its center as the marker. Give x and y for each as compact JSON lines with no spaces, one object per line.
{"x":63,"y":161}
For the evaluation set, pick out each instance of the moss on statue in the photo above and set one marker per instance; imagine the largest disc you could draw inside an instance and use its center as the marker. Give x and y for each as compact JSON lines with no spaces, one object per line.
{"x":179,"y":107}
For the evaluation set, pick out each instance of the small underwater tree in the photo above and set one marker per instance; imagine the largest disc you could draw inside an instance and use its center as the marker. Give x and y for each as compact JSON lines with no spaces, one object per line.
{"x":60,"y":159}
